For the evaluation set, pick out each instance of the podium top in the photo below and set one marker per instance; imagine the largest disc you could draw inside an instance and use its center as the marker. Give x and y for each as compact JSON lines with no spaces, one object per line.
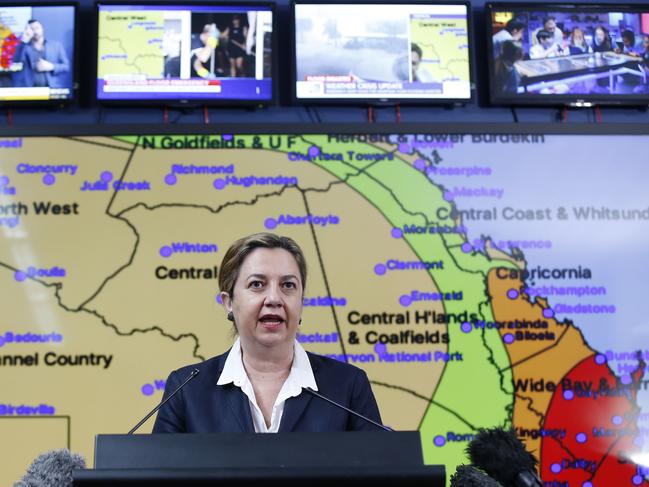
{"x":258,"y":450}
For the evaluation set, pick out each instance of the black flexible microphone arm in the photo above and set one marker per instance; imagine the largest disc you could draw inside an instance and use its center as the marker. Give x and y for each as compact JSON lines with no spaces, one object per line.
{"x":193,"y":374}
{"x":358,"y":415}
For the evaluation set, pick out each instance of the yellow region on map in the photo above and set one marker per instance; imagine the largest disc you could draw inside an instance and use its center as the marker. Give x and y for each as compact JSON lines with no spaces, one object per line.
{"x":444,"y":44}
{"x":130,"y":43}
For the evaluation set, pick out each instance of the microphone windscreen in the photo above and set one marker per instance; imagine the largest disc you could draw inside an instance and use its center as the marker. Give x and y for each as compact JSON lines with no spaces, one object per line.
{"x":500,"y":454}
{"x":52,"y":469}
{"x":467,"y":476}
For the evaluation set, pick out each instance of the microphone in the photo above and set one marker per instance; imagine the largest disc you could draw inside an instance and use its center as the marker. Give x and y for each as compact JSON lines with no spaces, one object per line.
{"x":358,"y":415}
{"x":504,"y":458}
{"x":468,"y":476}
{"x":193,"y":374}
{"x":52,"y":469}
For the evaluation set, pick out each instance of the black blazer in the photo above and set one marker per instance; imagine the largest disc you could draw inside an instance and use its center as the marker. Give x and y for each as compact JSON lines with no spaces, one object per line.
{"x":204,"y":407}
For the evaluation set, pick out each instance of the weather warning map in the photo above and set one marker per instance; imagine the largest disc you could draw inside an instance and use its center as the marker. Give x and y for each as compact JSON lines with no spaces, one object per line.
{"x":444,"y":42}
{"x":479,"y":279}
{"x":134,"y":43}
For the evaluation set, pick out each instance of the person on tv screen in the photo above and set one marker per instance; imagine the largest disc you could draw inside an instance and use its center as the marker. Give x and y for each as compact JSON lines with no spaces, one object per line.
{"x":513,"y":31}
{"x":602,"y":40}
{"x":204,"y":54}
{"x":258,"y":385}
{"x":549,"y":25}
{"x":418,"y":75}
{"x":628,"y":45}
{"x":578,"y":44}
{"x":506,"y":77}
{"x":236,"y":34}
{"x":44,"y":60}
{"x":546,"y":47}
{"x":644,"y":55}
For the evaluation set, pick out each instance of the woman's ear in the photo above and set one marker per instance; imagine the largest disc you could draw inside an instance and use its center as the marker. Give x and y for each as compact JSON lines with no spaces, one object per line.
{"x":226,"y":301}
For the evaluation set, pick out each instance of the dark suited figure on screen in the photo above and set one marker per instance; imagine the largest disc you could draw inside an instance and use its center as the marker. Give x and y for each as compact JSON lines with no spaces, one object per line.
{"x":44,"y":61}
{"x":257,"y":386}
{"x":506,"y":78}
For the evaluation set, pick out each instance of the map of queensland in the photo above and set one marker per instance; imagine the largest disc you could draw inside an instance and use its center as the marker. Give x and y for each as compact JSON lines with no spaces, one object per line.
{"x":134,"y":46}
{"x":480,"y":280}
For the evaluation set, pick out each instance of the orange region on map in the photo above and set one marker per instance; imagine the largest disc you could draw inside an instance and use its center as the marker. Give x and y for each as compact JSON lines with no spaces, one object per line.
{"x":538,"y":365}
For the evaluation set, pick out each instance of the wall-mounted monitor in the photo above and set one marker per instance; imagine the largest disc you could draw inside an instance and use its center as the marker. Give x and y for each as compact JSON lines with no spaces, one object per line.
{"x":204,"y":53}
{"x":551,"y":54}
{"x":37,"y":53}
{"x":381,"y":52}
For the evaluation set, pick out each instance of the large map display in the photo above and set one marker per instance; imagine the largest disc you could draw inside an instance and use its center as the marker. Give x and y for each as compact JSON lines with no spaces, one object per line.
{"x":480,"y":280}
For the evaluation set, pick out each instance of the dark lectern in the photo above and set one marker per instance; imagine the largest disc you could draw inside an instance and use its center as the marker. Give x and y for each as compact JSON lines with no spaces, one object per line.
{"x":243,"y":459}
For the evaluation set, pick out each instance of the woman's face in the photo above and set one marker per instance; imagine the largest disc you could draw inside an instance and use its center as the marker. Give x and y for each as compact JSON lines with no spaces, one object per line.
{"x":267,"y":298}
{"x":600,"y":35}
{"x":578,"y":38}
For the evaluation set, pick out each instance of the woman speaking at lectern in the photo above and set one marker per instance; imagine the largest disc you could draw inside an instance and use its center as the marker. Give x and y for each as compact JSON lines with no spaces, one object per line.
{"x":257,"y":386}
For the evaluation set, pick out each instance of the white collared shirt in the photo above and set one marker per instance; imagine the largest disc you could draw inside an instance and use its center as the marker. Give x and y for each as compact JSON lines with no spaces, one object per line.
{"x":300,"y":376}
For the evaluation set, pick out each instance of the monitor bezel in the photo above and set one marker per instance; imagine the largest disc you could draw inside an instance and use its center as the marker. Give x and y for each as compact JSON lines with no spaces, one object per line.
{"x":388,"y":101}
{"x":181,"y":102}
{"x":74,"y":89}
{"x":565,"y":100}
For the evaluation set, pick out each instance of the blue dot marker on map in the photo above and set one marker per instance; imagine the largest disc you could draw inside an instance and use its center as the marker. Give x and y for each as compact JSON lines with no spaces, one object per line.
{"x":381,"y":348}
{"x":555,"y":468}
{"x":270,"y":223}
{"x":147,"y":389}
{"x":165,"y":251}
{"x":379,"y":269}
{"x":637,"y":479}
{"x":106,"y":176}
{"x":227,"y":136}
{"x":600,"y":359}
{"x":396,"y":233}
{"x":466,"y":247}
{"x":49,"y":179}
{"x":218,"y":299}
{"x":508,"y":338}
{"x":219,"y":183}
{"x":617,"y":420}
{"x":420,"y":164}
{"x":439,"y":440}
{"x":581,"y":437}
{"x":4,"y":180}
{"x":170,"y":179}
{"x":626,"y":379}
{"x":314,"y":151}
{"x":512,"y":294}
{"x":588,"y":483}
{"x":448,"y":196}
{"x":466,"y":327}
{"x":405,"y":300}
{"x":548,"y":313}
{"x":20,"y":276}
{"x":568,"y":395}
{"x":404,"y":148}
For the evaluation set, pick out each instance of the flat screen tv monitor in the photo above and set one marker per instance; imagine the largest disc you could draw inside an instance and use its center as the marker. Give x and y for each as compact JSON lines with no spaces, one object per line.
{"x":551,"y":54}
{"x":37,"y":53}
{"x":204,"y":53}
{"x":381,"y":52}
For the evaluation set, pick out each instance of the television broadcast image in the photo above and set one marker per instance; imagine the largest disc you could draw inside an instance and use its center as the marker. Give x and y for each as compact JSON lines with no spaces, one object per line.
{"x":363,"y":51}
{"x":190,"y":52}
{"x":36,"y":53}
{"x":569,"y":52}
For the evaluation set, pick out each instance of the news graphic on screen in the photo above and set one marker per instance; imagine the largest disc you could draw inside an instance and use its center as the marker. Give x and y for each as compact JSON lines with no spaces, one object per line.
{"x":569,"y":54}
{"x":479,"y":280}
{"x":382,"y":51}
{"x":204,"y":53}
{"x":36,"y":53}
